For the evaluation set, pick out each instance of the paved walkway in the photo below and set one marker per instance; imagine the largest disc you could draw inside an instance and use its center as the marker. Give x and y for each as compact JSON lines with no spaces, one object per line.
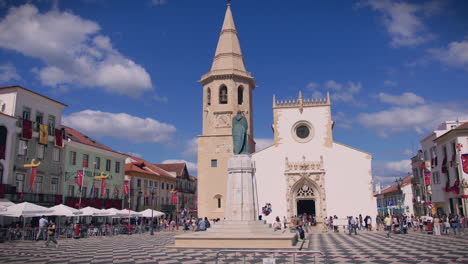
{"x":366,"y":247}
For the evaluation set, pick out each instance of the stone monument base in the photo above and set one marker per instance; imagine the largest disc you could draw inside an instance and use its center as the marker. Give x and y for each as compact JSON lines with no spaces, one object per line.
{"x":237,"y":234}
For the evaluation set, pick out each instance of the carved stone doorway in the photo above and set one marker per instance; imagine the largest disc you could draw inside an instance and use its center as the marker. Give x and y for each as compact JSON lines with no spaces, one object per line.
{"x":306,"y":206}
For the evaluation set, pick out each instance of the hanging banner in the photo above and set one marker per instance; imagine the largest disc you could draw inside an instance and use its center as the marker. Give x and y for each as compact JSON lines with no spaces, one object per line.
{"x":43,"y":134}
{"x":174,"y":197}
{"x":32,"y":178}
{"x":103,"y":187}
{"x":427,"y":178}
{"x":26,"y":132}
{"x":464,"y":158}
{"x":58,"y":137}
{"x":79,"y":178}
{"x":126,"y":187}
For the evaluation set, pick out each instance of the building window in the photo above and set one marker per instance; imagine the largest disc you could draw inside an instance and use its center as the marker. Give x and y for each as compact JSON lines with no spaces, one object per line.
{"x":26,"y":113}
{"x":240,"y":95}
{"x":97,"y":163}
{"x":19,"y":182}
{"x":107,"y":193}
{"x":117,"y":167}
{"x":51,"y":125}
{"x":426,"y":156}
{"x":214,"y":163}
{"x":108,"y":165}
{"x":83,"y":191}
{"x":40,"y":151}
{"x":139,"y":183}
{"x":38,"y":184}
{"x":145,"y":183}
{"x":72,"y":158}
{"x":56,"y":154}
{"x":85,"y":162}
{"x":96,"y":192}
{"x":54,"y":185}
{"x":219,"y":202}
{"x":71,"y":190}
{"x":162,"y":186}
{"x":39,"y":120}
{"x":208,"y":96}
{"x":22,"y":147}
{"x":223,"y":94}
{"x":150,"y":183}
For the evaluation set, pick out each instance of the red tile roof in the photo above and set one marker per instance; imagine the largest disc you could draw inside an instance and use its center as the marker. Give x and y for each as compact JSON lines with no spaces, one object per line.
{"x":406,"y":181}
{"x":76,"y":136}
{"x":178,"y":168}
{"x":18,"y":86}
{"x":143,"y":166}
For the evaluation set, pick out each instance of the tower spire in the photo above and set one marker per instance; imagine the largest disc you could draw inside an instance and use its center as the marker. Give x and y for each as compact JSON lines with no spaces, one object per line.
{"x":228,"y":54}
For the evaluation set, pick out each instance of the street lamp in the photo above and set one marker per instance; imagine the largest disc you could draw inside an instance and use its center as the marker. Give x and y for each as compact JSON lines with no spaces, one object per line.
{"x":152,"y":210}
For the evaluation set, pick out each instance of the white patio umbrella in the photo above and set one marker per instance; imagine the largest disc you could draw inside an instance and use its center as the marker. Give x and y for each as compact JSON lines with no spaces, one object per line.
{"x":93,"y":211}
{"x":26,"y":210}
{"x":130,"y":213}
{"x":116,"y":212}
{"x":147,"y":213}
{"x":5,"y":202}
{"x":63,"y":210}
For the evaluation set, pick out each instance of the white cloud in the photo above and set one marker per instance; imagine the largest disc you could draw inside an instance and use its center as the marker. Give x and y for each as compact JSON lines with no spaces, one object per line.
{"x":120,"y":125}
{"x":133,"y":154}
{"x":408,"y":152}
{"x":8,"y":73}
{"x":404,"y":99}
{"x":455,"y":55}
{"x":191,"y":149}
{"x":340,"y":92}
{"x":191,"y":166}
{"x":342,"y":120}
{"x":420,"y":118}
{"x":159,"y":2}
{"x":402,"y":166}
{"x":404,"y":21}
{"x":72,"y":49}
{"x":390,"y":83}
{"x":262,"y":143}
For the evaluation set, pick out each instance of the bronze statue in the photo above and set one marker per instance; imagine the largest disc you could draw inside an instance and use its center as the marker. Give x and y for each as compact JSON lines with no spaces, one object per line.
{"x":239,"y":134}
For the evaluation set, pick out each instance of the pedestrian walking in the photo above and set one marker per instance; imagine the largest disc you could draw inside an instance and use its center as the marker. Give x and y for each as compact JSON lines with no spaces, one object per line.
{"x":51,"y":234}
{"x":388,"y":225}
{"x":42,"y":228}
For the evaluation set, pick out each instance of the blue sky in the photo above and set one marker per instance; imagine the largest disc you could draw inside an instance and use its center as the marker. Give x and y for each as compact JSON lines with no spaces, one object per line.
{"x":129,"y":69}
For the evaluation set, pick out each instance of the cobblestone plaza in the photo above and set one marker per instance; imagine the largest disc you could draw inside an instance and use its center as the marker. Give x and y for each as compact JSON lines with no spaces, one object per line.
{"x":366,"y":247}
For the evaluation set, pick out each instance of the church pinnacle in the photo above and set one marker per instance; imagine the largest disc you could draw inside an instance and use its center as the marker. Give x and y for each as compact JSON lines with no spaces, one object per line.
{"x":228,"y":52}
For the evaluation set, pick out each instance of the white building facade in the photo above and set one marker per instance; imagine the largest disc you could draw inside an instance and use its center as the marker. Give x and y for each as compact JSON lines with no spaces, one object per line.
{"x":306,"y":172}
{"x":442,"y":168}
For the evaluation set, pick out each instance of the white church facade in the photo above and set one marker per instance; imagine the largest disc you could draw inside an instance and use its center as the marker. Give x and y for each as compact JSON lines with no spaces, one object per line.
{"x":304,"y":171}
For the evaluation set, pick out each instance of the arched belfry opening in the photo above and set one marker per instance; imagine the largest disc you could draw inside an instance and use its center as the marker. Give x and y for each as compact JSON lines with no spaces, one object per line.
{"x":240,"y":95}
{"x":223,"y":94}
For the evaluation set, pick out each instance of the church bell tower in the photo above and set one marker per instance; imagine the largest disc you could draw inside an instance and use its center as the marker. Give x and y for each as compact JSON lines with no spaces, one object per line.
{"x":227,"y":89}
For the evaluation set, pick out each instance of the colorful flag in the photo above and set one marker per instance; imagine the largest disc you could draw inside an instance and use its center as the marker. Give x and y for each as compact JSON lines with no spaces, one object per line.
{"x":58,"y":137}
{"x":427,"y":178}
{"x":174,"y":197}
{"x":126,"y":187}
{"x":91,"y":191}
{"x":32,"y":178}
{"x":103,"y":187}
{"x":43,"y":134}
{"x":79,"y":177}
{"x":464,"y":158}
{"x":26,"y":133}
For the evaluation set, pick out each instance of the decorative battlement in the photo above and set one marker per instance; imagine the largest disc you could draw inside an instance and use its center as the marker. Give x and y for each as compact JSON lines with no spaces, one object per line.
{"x":303,"y":165}
{"x":300,"y":102}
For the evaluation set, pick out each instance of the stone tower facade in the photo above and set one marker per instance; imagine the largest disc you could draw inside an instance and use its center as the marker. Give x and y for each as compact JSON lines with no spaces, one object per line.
{"x":227,"y":89}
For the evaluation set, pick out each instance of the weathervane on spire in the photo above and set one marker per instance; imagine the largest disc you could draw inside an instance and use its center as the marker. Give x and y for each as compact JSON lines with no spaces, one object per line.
{"x":228,"y":2}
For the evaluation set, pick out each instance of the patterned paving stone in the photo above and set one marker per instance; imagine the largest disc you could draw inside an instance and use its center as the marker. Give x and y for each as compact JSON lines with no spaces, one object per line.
{"x":366,"y":247}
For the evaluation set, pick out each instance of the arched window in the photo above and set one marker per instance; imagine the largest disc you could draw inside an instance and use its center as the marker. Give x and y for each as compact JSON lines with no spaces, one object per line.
{"x":218,"y":199}
{"x":223,"y":94}
{"x":208,"y":96}
{"x":240,"y":95}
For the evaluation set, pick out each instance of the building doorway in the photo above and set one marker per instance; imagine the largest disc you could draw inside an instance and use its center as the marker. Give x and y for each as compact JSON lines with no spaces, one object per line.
{"x":306,"y":207}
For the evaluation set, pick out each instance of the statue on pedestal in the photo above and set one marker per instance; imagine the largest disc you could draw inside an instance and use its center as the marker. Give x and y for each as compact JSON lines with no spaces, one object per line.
{"x":239,"y":134}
